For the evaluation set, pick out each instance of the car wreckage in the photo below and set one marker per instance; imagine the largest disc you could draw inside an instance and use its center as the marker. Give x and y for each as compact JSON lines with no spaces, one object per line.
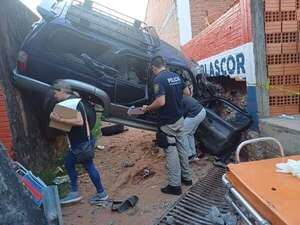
{"x":105,"y":56}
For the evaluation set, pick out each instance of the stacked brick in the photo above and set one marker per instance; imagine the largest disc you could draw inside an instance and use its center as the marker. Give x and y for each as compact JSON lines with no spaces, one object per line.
{"x":282,"y":27}
{"x":202,"y":10}
{"x":5,"y":131}
{"x":231,"y":30}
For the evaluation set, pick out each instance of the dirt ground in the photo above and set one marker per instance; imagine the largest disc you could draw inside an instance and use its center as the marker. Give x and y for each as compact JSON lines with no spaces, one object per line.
{"x":122,"y":165}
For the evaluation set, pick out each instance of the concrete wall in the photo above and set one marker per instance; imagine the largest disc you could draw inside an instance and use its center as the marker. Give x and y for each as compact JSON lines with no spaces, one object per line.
{"x":285,"y":130}
{"x":204,"y":12}
{"x":162,"y":15}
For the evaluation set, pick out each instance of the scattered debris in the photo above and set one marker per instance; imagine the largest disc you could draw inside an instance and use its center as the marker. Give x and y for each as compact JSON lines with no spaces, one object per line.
{"x":100,"y":147}
{"x":170,"y":220}
{"x":143,"y":174}
{"x":119,"y":181}
{"x":122,"y":206}
{"x":127,"y":163}
{"x":58,"y":170}
{"x":146,"y":172}
{"x":104,"y":204}
{"x":218,"y":218}
{"x":61,"y":180}
{"x":113,"y":129}
{"x":287,"y":117}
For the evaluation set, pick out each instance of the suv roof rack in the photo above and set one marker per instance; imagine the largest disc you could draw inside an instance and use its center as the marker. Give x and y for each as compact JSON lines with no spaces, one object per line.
{"x":99,"y":18}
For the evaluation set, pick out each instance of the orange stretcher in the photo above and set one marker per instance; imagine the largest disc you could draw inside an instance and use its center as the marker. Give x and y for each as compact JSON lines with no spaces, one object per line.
{"x":259,"y":194}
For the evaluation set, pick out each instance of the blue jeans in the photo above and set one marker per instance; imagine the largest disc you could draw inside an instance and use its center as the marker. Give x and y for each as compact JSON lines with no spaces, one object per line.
{"x":70,"y":162}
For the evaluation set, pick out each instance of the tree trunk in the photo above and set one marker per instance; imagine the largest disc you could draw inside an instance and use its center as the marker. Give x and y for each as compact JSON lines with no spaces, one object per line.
{"x":30,"y":146}
{"x":16,"y":207}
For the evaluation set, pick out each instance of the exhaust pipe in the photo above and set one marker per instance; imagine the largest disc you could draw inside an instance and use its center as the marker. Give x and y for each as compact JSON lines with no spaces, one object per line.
{"x":29,"y":84}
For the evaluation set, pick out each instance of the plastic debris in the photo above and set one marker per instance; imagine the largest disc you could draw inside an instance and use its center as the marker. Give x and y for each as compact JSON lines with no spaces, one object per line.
{"x":287,"y":117}
{"x":291,"y":166}
{"x":61,"y":180}
{"x":100,"y":147}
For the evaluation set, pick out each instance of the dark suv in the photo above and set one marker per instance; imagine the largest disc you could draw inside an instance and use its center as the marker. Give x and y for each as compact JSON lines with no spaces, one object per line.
{"x":105,"y":55}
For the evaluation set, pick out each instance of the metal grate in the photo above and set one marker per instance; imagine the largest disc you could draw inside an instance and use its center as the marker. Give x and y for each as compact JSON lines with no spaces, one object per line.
{"x":194,"y":206}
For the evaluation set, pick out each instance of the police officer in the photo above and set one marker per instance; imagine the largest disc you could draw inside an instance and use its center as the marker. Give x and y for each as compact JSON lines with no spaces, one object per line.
{"x":168,"y":88}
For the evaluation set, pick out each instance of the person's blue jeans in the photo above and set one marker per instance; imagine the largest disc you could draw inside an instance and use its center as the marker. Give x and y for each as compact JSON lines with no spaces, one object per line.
{"x":70,"y":163}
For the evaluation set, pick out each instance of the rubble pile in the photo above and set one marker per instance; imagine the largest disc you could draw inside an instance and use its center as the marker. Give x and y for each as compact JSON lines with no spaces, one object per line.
{"x":257,"y":151}
{"x":232,"y":90}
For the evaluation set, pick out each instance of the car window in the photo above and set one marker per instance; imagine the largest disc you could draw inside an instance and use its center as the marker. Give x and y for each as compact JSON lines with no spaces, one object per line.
{"x":71,"y":46}
{"x":136,"y":70}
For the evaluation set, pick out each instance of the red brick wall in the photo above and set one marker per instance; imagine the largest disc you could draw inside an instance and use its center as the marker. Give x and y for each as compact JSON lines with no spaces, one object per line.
{"x":162,"y":15}
{"x":210,"y":9}
{"x":5,"y":132}
{"x":282,"y":27}
{"x":229,"y":31}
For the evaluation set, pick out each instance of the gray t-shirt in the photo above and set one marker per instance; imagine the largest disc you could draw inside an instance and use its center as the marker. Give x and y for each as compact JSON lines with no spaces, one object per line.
{"x":191,"y":107}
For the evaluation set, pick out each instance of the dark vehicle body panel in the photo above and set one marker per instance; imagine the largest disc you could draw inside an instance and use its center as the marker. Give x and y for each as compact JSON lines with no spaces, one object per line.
{"x":55,"y":49}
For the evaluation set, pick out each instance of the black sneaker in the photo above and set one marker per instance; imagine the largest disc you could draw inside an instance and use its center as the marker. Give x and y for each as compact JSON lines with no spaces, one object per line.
{"x":172,"y":190}
{"x":186,"y":182}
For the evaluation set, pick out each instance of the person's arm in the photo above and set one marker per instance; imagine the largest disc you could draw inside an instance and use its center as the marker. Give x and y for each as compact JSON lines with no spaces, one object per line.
{"x":156,"y":104}
{"x":186,"y":91}
{"x":160,"y":97}
{"x":78,"y":121}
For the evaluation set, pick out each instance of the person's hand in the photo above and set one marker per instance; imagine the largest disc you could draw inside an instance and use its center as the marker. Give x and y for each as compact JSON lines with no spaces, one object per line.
{"x":145,"y":108}
{"x":54,"y":116}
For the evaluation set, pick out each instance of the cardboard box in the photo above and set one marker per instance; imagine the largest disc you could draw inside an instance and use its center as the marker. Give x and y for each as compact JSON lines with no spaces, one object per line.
{"x":66,"y":110}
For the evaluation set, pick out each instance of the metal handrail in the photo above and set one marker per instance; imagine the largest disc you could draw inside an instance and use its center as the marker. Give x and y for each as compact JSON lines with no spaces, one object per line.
{"x":132,"y":30}
{"x":245,"y":204}
{"x":255,"y":140}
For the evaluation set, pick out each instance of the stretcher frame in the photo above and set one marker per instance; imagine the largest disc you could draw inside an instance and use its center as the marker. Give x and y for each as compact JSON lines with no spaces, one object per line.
{"x":247,"y":213}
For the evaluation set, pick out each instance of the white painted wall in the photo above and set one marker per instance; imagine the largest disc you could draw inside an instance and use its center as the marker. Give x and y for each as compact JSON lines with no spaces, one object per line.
{"x":237,"y":63}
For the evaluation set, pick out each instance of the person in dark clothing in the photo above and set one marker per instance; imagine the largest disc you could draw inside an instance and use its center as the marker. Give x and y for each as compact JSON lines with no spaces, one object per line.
{"x":77,"y":135}
{"x":193,"y":113}
{"x":168,"y":88}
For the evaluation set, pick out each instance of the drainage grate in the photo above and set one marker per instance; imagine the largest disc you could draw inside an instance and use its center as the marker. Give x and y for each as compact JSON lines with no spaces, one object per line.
{"x":194,"y":206}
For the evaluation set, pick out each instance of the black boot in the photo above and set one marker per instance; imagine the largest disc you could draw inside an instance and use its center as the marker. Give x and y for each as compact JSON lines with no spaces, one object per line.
{"x":172,"y":190}
{"x":186,"y":182}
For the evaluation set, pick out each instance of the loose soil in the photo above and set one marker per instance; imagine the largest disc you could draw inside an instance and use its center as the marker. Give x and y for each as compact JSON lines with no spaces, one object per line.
{"x":130,"y":164}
